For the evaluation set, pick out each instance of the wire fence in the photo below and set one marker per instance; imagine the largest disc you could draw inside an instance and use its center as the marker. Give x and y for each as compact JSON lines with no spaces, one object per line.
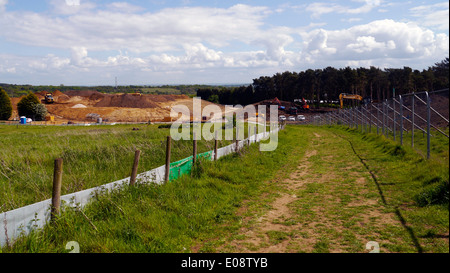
{"x":398,"y":118}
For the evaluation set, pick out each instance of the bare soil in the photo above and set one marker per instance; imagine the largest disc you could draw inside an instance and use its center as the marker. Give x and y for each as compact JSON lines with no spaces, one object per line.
{"x":81,"y":106}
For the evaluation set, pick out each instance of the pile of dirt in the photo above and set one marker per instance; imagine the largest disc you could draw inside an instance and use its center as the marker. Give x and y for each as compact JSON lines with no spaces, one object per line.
{"x":79,"y":106}
{"x":60,"y":97}
{"x":126,"y":101}
{"x":82,"y":93}
{"x":166,"y":98}
{"x":58,"y":93}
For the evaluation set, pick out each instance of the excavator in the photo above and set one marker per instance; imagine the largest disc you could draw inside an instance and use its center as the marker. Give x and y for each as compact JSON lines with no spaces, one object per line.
{"x":343,"y":96}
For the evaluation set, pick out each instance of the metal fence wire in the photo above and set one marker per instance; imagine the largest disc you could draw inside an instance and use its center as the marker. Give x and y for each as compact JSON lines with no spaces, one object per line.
{"x":426,"y":112}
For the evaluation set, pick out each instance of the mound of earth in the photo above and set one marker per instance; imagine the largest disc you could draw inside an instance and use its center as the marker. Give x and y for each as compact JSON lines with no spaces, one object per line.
{"x":126,"y":101}
{"x":80,"y":105}
{"x":82,"y":93}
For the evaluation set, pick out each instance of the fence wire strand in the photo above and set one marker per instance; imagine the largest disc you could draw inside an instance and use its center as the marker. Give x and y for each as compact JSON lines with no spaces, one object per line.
{"x":396,"y":116}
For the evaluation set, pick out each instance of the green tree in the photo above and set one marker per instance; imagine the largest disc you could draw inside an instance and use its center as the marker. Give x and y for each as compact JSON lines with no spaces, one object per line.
{"x":5,"y":105}
{"x":29,"y":106}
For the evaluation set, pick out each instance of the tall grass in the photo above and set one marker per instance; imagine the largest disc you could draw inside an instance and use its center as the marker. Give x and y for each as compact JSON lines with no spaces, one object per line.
{"x":417,"y":189}
{"x":173,"y":217}
{"x":92,"y":156}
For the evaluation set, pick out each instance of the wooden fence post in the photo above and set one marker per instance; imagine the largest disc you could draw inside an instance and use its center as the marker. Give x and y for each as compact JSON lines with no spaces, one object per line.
{"x":168,"y":149}
{"x":56,"y":194}
{"x":137,"y":155}
{"x":215,"y":146}
{"x":194,"y":152}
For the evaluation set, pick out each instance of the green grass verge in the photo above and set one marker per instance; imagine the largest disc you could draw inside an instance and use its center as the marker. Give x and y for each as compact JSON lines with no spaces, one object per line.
{"x":174,"y":217}
{"x":93,"y":156}
{"x":200,"y":213}
{"x":415,"y":189}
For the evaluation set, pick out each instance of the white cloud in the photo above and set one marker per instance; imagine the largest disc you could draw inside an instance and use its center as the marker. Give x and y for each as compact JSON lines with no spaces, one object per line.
{"x":374,"y":41}
{"x":3,"y":4}
{"x":67,"y":7}
{"x":366,"y":44}
{"x":123,"y":38}
{"x":319,"y":8}
{"x":111,"y":30}
{"x":436,"y":15}
{"x":124,"y":7}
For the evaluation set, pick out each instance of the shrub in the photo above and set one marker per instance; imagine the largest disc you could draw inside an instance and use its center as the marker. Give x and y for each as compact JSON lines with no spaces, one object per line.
{"x":5,"y":105}
{"x":29,"y":106}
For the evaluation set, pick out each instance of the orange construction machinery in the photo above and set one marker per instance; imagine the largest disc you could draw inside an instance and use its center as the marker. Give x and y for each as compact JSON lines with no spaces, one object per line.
{"x":343,"y":96}
{"x":305,"y":105}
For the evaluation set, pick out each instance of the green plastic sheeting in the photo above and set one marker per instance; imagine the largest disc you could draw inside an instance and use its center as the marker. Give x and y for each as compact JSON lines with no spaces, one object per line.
{"x":184,"y":166}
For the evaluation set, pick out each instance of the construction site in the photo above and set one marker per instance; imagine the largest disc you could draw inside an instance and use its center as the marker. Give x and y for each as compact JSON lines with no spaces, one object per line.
{"x":93,"y":106}
{"x":90,"y":106}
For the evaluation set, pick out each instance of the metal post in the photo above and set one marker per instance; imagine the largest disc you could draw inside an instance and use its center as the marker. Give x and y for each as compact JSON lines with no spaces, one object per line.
{"x":364,"y":118}
{"x":412,"y":121}
{"x":401,"y":119}
{"x":383,"y":105}
{"x":393,"y":107}
{"x":387,"y":118}
{"x":378,"y":119}
{"x":428,"y":124}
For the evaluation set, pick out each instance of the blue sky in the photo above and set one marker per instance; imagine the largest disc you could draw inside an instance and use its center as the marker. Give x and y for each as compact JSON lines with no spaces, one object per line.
{"x":90,"y":42}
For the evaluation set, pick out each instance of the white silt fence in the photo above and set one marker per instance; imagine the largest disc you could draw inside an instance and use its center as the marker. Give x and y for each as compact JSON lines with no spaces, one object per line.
{"x":25,"y":219}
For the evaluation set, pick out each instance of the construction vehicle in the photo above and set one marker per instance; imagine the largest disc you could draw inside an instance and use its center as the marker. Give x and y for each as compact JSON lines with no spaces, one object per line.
{"x":302,"y":103}
{"x":305,"y":105}
{"x":343,"y":96}
{"x":276,"y":101}
{"x":292,"y":111}
{"x":48,"y":98}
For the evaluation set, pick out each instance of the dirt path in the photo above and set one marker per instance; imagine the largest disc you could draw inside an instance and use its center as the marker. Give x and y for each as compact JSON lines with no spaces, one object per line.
{"x":328,"y":204}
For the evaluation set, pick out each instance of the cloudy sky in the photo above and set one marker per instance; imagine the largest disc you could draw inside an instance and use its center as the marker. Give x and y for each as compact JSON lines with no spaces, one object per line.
{"x":152,"y":42}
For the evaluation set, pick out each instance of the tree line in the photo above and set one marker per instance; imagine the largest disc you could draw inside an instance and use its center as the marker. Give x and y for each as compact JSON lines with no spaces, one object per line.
{"x":19,"y":90}
{"x":326,"y":84}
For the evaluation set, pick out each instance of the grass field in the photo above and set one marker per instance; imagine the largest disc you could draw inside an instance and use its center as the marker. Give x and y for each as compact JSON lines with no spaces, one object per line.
{"x":92,"y":156}
{"x":350,"y":189}
{"x":324,"y":189}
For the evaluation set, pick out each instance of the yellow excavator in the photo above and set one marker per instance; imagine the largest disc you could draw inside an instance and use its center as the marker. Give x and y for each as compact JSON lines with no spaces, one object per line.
{"x":343,"y":96}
